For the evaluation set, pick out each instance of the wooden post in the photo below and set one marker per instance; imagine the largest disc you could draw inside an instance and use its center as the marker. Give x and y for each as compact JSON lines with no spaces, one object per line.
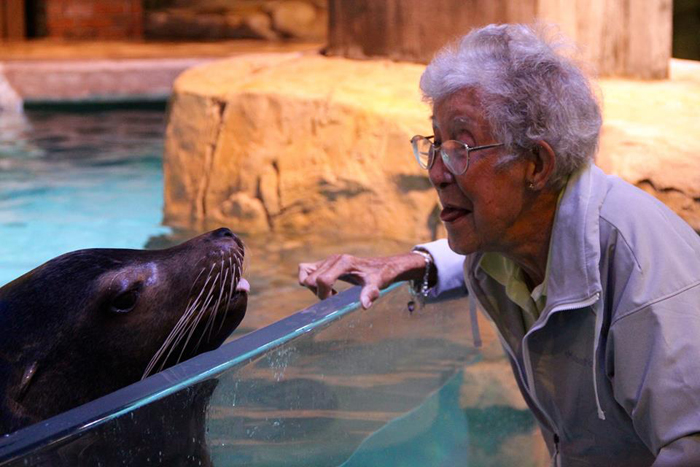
{"x":618,"y":37}
{"x":12,"y":21}
{"x":16,"y":25}
{"x":3,"y":33}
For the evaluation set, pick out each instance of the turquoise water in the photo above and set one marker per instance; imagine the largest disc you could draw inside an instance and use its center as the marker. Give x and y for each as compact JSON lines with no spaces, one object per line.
{"x":376,"y":390}
{"x":93,"y":179}
{"x":72,"y":180}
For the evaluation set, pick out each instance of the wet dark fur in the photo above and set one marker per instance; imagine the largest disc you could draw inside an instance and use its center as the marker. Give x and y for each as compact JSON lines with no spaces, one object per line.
{"x":66,"y":337}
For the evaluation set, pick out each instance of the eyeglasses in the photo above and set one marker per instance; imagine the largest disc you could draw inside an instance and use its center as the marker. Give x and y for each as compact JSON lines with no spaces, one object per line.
{"x":455,"y":154}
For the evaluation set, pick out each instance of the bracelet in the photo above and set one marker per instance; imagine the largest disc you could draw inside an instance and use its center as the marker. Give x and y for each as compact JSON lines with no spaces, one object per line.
{"x":422,"y":294}
{"x":428,"y":262}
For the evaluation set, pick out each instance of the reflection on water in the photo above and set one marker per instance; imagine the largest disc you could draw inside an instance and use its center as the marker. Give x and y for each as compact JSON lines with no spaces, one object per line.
{"x":77,"y":180}
{"x":73,"y":180}
{"x":83,"y":180}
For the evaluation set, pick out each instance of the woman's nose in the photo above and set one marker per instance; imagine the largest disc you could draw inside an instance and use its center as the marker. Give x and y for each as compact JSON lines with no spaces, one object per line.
{"x":438,"y":173}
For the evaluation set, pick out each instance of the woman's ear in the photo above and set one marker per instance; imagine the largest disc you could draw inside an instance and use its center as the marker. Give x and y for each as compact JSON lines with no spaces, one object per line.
{"x":542,"y":168}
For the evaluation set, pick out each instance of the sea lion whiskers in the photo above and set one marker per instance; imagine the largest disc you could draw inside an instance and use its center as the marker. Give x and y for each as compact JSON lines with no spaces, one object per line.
{"x":207,"y":301}
{"x":235,"y":278}
{"x":198,"y":317}
{"x":181,"y":324}
{"x":211,"y":314}
{"x":146,"y":304}
{"x":223,"y":294}
{"x":214,"y":311}
{"x":189,"y":294}
{"x":168,"y":343}
{"x":190,"y":325}
{"x":232,"y":288}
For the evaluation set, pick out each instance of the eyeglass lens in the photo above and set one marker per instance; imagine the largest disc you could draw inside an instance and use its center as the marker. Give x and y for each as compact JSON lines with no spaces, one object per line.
{"x":423,"y":149}
{"x":454,"y":154}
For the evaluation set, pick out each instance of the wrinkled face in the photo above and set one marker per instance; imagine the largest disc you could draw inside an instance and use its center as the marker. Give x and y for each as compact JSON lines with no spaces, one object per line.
{"x":482,"y":208}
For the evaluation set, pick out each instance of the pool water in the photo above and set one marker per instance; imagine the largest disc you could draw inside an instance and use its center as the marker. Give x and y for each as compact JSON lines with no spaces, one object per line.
{"x":77,"y":180}
{"x":73,"y":180}
{"x":93,"y":179}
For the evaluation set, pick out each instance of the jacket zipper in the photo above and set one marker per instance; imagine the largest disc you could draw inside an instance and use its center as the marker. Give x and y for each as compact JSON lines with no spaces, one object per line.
{"x":523,"y":377}
{"x":555,"y":456}
{"x":528,"y":365}
{"x":526,"y":351}
{"x":528,"y":377}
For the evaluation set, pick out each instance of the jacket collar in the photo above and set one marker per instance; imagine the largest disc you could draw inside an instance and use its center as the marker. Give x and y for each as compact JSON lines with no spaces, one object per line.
{"x":575,"y":246}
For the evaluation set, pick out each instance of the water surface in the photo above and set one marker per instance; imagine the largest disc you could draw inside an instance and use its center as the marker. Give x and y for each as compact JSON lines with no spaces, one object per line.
{"x":77,"y":180}
{"x":93,"y":179}
{"x":73,"y":180}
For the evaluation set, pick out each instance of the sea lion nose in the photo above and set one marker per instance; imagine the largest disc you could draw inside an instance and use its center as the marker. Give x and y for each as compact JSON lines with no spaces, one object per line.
{"x":223,"y":232}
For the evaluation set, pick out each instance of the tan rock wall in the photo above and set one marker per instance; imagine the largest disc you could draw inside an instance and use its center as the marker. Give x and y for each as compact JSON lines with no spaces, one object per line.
{"x":299,"y":143}
{"x":651,"y":136}
{"x":304,"y":143}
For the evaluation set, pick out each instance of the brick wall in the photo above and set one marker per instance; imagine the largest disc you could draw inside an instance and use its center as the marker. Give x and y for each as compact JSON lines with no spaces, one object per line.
{"x":94,"y":19}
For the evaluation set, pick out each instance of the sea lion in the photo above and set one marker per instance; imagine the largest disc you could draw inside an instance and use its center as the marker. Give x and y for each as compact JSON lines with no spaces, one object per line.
{"x":92,"y":321}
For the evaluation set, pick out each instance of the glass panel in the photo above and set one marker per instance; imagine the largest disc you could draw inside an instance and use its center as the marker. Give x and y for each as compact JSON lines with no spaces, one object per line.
{"x":330,"y":385}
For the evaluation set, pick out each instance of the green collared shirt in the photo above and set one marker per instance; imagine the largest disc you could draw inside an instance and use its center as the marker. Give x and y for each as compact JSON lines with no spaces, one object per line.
{"x":512,"y":277}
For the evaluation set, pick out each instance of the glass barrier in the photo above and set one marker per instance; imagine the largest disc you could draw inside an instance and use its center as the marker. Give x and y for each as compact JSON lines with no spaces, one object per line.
{"x":331,"y":385}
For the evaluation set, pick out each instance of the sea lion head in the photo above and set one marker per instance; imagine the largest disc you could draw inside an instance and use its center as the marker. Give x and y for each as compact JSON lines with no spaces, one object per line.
{"x":91,"y":321}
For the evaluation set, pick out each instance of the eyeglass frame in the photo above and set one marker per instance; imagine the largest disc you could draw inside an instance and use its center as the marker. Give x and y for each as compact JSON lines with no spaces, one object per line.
{"x":444,"y":155}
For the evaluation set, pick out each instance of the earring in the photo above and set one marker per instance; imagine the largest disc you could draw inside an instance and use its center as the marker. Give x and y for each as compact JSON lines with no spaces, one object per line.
{"x":531,"y":186}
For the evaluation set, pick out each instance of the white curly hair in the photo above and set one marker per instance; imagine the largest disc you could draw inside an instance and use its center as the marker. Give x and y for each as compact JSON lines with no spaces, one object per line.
{"x":528,"y":88}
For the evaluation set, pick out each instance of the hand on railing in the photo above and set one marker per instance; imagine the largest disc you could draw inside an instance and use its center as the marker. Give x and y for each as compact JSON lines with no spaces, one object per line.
{"x":372,"y":274}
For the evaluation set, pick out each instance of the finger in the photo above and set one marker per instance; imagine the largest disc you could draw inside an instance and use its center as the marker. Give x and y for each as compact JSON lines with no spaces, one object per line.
{"x":327,"y":274}
{"x":324,"y":287}
{"x":305,"y":270}
{"x":368,"y":295}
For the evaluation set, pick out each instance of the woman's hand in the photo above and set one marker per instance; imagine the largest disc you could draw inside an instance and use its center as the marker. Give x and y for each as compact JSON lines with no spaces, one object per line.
{"x":372,"y":274}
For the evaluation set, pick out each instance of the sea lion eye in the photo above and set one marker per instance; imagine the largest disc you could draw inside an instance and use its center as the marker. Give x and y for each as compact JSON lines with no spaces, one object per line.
{"x":124,"y":302}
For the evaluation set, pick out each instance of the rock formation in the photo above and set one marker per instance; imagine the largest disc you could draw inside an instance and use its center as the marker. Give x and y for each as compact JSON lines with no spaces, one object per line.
{"x":651,"y":138}
{"x":296,"y":143}
{"x":304,"y":143}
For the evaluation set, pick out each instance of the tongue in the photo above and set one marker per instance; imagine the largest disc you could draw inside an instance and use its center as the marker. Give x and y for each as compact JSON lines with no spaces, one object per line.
{"x":450,"y":214}
{"x":243,"y":286}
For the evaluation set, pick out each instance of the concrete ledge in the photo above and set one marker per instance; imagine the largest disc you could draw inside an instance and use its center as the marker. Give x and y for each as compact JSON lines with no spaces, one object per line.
{"x":47,"y":71}
{"x":96,"y":80}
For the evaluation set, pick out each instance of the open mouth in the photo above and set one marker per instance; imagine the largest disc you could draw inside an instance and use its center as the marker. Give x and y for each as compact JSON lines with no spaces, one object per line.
{"x":451,"y":213}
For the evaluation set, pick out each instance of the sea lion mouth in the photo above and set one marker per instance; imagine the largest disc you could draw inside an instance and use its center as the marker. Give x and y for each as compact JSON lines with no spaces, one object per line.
{"x":217,"y":304}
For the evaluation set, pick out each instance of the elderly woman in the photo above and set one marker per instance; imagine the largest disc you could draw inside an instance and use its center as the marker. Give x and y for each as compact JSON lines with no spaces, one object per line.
{"x":593,"y":285}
